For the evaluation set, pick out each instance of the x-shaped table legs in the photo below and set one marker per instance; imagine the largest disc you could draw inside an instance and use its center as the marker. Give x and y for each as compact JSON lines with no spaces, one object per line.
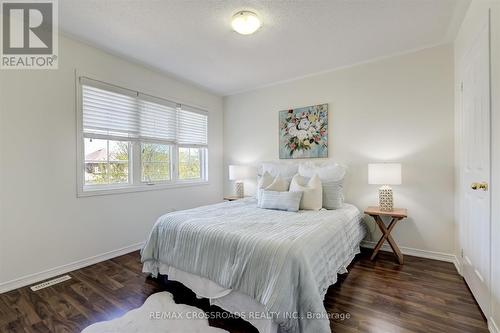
{"x":386,"y":235}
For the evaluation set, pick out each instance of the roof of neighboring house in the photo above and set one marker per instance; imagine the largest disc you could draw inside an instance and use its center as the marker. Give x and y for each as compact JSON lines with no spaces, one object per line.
{"x":98,"y":155}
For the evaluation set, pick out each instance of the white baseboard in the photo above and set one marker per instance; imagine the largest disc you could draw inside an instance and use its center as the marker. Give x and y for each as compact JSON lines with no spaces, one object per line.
{"x":53,"y":272}
{"x":458,"y":266}
{"x":492,"y":326}
{"x":418,"y":253}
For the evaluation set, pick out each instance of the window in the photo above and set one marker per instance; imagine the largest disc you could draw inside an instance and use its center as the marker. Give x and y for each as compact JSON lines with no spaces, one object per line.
{"x":190,"y":163}
{"x":133,"y":140}
{"x":155,"y":160}
{"x":192,"y":137}
{"x":106,"y":162}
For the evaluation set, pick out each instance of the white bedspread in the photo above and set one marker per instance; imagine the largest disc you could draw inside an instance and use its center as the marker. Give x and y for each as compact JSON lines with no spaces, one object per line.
{"x":285,"y":261}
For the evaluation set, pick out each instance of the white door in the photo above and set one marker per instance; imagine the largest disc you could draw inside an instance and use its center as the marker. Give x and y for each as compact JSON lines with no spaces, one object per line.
{"x":475,"y":167}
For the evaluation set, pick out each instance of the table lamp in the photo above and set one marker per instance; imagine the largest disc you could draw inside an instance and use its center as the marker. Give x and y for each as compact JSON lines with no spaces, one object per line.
{"x":385,"y":174}
{"x":238,"y":173}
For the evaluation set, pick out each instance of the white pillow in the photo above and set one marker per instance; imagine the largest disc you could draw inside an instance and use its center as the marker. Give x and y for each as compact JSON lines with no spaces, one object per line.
{"x":264,"y":181}
{"x":312,"y":197}
{"x":278,"y":184}
{"x":332,"y":177}
{"x":327,"y":170}
{"x":289,"y":201}
{"x":285,"y":170}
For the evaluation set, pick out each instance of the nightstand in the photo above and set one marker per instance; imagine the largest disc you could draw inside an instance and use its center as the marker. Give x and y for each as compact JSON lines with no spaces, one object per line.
{"x":231,"y":198}
{"x":396,"y":215}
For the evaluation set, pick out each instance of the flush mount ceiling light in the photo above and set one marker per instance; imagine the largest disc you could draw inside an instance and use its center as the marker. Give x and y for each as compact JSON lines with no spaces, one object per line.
{"x":245,"y":22}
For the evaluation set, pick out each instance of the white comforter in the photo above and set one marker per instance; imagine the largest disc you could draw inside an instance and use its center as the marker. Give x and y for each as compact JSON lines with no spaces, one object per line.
{"x":284,"y":260}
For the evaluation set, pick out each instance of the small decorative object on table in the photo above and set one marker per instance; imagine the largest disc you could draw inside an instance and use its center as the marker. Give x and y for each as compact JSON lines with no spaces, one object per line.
{"x":385,"y":174}
{"x":238,"y":173}
{"x":396,"y":214}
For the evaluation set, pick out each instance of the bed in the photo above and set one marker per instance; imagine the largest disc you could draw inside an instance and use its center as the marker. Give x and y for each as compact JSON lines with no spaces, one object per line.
{"x":271,"y":267}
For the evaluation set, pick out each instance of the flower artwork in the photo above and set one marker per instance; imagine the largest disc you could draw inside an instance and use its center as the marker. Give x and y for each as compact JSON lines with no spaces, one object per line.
{"x":304,"y":132}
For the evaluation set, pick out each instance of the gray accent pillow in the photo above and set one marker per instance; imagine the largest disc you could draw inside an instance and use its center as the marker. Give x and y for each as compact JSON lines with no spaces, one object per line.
{"x":289,"y":201}
{"x":333,"y":194}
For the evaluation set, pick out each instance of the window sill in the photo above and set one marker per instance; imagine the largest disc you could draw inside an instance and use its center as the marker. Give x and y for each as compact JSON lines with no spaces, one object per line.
{"x":89,"y":192}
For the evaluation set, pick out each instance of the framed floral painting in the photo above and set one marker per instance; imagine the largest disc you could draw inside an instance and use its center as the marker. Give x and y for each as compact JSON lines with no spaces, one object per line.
{"x":304,"y":132}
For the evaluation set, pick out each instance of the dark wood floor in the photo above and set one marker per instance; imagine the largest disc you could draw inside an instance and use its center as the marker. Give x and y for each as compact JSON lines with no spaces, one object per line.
{"x":421,"y":296}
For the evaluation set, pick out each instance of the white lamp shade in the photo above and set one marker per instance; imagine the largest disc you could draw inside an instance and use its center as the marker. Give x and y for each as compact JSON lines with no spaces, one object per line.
{"x":384,"y":173}
{"x":239,"y":172}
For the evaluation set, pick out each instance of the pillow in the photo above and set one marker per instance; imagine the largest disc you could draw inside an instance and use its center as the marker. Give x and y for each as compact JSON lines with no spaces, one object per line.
{"x":279,"y":184}
{"x":332,"y":176}
{"x":289,"y":201}
{"x":263,"y":181}
{"x":333,"y":194}
{"x":312,"y":196}
{"x":327,"y":170}
{"x":267,"y":182}
{"x":285,"y":170}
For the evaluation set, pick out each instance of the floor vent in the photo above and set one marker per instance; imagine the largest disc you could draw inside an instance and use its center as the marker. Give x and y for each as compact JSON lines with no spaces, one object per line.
{"x":50,"y":282}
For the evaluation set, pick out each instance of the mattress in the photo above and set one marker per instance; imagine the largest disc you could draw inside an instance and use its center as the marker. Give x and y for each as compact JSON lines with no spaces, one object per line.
{"x":283,"y":262}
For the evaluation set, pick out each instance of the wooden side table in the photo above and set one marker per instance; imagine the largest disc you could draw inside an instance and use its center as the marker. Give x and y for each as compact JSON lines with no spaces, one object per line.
{"x":396,"y":215}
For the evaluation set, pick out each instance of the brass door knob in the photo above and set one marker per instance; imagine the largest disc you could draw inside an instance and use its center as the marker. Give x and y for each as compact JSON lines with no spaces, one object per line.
{"x":479,"y":186}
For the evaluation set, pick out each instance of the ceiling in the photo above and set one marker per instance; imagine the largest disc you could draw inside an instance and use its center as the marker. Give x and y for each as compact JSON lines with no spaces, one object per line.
{"x":193,"y":40}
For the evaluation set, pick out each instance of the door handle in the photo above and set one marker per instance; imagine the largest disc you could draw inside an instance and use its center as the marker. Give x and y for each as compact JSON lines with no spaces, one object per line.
{"x":479,"y":186}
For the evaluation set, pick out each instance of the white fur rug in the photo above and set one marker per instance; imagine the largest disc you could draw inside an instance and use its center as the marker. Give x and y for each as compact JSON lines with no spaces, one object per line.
{"x":158,"y":314}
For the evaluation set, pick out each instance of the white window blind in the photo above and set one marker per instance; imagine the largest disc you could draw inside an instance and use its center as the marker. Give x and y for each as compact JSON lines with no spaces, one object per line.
{"x":109,"y":112}
{"x":115,"y":112}
{"x":192,"y":126}
{"x":158,"y":120}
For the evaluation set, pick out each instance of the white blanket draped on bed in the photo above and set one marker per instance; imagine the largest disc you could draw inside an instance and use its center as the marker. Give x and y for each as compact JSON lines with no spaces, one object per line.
{"x":284,"y":260}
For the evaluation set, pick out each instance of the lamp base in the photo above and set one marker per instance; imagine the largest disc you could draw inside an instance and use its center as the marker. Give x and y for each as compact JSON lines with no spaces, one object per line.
{"x":239,"y":190}
{"x":385,"y":198}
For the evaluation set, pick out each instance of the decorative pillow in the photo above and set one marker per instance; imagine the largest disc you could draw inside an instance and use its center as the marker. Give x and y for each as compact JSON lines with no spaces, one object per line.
{"x":279,"y":184}
{"x":332,"y":176}
{"x":264,"y":181}
{"x":289,"y":201}
{"x":333,"y":194}
{"x":312,"y":198}
{"x":271,"y":183}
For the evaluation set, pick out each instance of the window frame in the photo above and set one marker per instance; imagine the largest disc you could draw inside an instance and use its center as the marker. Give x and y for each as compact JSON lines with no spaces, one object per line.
{"x":135,"y":183}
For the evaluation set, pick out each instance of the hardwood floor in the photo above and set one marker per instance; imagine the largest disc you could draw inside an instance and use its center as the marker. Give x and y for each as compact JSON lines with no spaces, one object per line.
{"x":421,"y":296}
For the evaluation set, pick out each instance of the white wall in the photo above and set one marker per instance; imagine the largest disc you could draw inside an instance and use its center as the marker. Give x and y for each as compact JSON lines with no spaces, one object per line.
{"x":395,"y":109}
{"x":478,"y":10}
{"x":43,"y":224}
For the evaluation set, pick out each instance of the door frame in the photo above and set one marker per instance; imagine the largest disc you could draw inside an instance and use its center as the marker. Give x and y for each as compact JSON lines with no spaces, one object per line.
{"x":494,"y":319}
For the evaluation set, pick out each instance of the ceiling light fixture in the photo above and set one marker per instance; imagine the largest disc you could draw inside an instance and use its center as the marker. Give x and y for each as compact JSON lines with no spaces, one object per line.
{"x":245,"y":22}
